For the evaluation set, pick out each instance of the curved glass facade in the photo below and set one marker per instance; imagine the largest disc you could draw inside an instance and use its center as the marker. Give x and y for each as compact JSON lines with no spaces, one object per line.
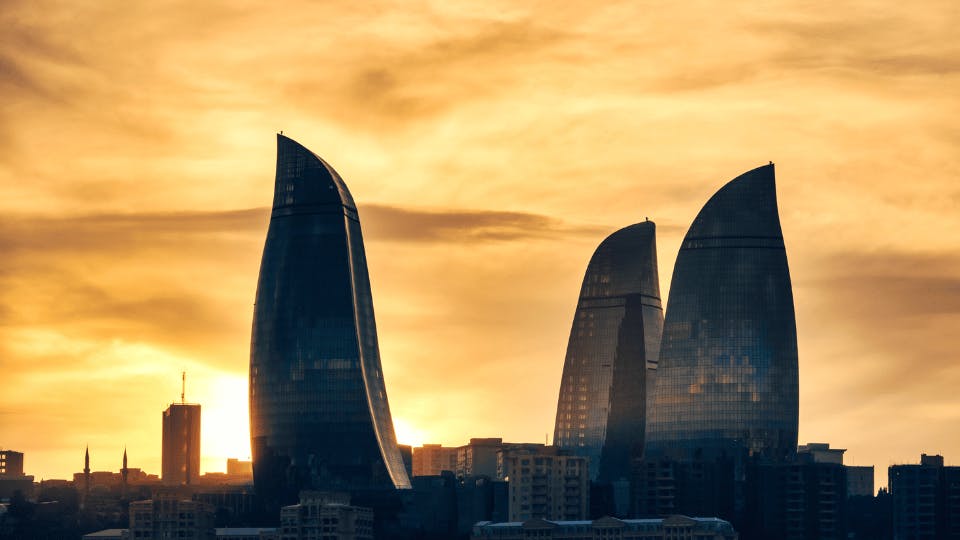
{"x":612,"y":354}
{"x":319,"y":417}
{"x":727,"y":381}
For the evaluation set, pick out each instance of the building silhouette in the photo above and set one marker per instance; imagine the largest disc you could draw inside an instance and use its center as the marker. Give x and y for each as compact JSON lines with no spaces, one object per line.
{"x":612,"y":354}
{"x":926,"y":500}
{"x":180,"y":462}
{"x":727,"y":378}
{"x":319,"y":416}
{"x":12,"y":479}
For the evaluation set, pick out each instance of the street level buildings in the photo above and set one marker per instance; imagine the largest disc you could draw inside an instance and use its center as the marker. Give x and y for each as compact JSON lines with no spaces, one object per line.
{"x":319,"y":416}
{"x":607,"y":528}
{"x":612,"y":354}
{"x":325,"y":516}
{"x":169,"y":516}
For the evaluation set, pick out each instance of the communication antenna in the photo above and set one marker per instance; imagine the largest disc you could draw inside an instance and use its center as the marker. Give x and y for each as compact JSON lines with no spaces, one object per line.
{"x":183,"y":387}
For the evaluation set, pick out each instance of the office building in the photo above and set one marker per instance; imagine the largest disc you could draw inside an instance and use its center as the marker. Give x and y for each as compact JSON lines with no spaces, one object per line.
{"x":727,"y":377}
{"x":181,"y":444}
{"x":612,"y":354}
{"x":319,"y":415}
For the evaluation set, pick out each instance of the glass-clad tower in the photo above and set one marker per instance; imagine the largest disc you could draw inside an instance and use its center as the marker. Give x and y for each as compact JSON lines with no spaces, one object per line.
{"x":319,"y":417}
{"x":612,"y":354}
{"x":727,"y":380}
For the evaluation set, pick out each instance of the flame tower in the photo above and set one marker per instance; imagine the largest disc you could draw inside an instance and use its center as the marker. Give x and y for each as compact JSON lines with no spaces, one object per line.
{"x":612,"y":354}
{"x":319,"y":417}
{"x":727,"y":380}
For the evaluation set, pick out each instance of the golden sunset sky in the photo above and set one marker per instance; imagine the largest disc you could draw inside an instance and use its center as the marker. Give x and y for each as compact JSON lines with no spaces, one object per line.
{"x":490,"y":146}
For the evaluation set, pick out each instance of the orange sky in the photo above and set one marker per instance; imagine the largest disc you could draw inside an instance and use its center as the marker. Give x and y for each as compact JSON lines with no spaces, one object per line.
{"x":490,"y":146}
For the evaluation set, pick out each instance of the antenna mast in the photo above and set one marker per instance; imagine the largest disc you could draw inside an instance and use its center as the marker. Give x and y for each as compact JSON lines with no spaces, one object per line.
{"x":183,"y":387}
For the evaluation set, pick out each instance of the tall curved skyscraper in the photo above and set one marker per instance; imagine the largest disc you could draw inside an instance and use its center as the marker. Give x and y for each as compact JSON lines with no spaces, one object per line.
{"x":727,"y":380}
{"x":612,"y":354}
{"x":319,"y":417}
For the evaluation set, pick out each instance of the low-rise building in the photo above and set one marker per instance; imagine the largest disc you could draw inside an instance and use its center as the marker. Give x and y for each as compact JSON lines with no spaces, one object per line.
{"x":325,"y":515}
{"x":670,"y":528}
{"x":169,"y":516}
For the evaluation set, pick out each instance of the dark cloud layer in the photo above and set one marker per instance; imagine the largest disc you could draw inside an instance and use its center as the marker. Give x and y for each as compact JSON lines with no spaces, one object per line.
{"x":121,"y":232}
{"x":897,"y":309}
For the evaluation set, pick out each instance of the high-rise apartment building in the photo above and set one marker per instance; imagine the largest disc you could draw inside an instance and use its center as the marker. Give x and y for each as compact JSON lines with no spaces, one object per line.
{"x":727,"y":377}
{"x":612,"y":354}
{"x":479,"y":457}
{"x":432,"y":459}
{"x":319,"y":416}
{"x":181,"y":444}
{"x":545,"y":482}
{"x":926,"y":500}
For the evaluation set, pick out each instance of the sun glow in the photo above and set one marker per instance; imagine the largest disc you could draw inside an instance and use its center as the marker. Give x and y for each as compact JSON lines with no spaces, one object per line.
{"x":226,"y":424}
{"x":407,"y":433}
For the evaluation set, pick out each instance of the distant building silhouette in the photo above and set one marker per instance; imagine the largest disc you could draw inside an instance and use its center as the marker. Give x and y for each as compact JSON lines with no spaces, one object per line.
{"x":612,"y":354}
{"x":181,"y":444}
{"x":926,"y":500}
{"x":860,"y":481}
{"x":319,"y":416}
{"x":727,"y":378}
{"x":12,"y":479}
{"x":11,"y":463}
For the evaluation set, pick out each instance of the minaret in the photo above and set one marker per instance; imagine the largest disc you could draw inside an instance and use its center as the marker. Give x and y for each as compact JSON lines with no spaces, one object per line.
{"x":86,"y":475}
{"x":124,"y":471}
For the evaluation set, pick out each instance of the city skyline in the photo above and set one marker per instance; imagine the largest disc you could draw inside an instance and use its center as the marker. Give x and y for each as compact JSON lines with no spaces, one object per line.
{"x":495,"y":148}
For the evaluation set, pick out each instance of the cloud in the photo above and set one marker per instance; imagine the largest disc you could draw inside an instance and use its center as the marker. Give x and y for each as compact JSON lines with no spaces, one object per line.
{"x":897,"y":313}
{"x":869,"y":43}
{"x":389,"y":223}
{"x":395,"y":84}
